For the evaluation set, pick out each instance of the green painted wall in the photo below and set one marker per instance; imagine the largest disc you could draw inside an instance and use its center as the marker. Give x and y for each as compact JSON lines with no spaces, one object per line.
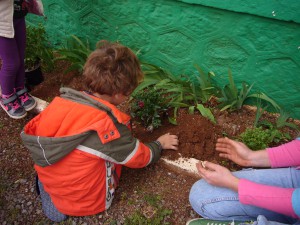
{"x":259,"y":40}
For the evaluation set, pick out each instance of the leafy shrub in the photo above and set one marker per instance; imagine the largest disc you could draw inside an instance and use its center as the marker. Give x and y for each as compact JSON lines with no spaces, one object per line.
{"x":277,"y":134}
{"x":275,"y":128}
{"x":256,"y":138}
{"x":38,"y":48}
{"x":260,"y":138}
{"x":148,"y":106}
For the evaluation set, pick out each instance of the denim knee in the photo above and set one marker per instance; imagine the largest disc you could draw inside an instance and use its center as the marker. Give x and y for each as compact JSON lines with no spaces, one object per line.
{"x":210,"y":201}
{"x":196,"y":195}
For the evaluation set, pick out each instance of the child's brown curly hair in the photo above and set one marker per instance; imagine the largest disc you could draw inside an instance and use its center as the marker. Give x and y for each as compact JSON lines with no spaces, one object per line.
{"x":112,"y":69}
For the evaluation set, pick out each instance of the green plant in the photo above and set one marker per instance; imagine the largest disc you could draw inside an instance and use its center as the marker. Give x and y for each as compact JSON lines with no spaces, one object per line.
{"x":233,"y":99}
{"x":123,"y":196}
{"x":179,"y":91}
{"x":280,"y":122}
{"x":256,"y":138}
{"x":206,"y":112}
{"x":158,"y":218}
{"x":207,"y":87}
{"x":259,"y":112}
{"x":152,"y":214}
{"x":148,"y":106}
{"x":277,"y":134}
{"x":260,"y":138}
{"x":38,"y":50}
{"x":76,"y":52}
{"x":224,"y":163}
{"x":152,"y":200}
{"x":69,"y":221}
{"x":130,"y":202}
{"x":112,"y":222}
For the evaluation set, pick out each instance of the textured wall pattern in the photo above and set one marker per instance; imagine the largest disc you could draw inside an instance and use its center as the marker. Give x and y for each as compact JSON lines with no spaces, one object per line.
{"x":176,"y":34}
{"x":287,"y":10}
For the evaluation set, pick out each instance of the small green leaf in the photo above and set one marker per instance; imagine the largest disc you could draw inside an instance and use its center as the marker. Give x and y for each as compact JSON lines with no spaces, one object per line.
{"x":172,"y":120}
{"x":191,"y":109}
{"x":206,"y":113}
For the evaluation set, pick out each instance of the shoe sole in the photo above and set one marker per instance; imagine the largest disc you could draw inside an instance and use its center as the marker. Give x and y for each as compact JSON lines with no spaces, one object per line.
{"x":31,"y":107}
{"x":11,"y":116}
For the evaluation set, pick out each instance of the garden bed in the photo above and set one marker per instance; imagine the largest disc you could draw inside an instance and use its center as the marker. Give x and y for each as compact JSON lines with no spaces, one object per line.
{"x":157,"y":193}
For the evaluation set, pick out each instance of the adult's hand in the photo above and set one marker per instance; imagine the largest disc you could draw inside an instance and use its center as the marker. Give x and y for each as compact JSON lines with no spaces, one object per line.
{"x":236,"y":151}
{"x":239,"y":153}
{"x":217,"y":175}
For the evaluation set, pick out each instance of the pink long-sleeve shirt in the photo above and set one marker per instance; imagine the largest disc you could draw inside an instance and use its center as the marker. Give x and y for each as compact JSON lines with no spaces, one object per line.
{"x":282,"y":200}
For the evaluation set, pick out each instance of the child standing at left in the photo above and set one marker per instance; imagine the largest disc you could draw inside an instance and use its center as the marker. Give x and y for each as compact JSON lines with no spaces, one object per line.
{"x":15,"y":99}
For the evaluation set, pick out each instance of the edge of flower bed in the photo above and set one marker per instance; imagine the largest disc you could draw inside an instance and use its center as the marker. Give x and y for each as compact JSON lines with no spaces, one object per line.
{"x":40,"y":105}
{"x":188,"y":165}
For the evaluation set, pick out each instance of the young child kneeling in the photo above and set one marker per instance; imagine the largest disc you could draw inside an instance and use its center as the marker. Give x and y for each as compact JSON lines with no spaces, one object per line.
{"x":81,"y":140}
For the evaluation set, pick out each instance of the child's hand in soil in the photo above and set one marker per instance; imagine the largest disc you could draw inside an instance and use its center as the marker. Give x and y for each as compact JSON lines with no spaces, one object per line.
{"x":168,"y":141}
{"x":217,"y":175}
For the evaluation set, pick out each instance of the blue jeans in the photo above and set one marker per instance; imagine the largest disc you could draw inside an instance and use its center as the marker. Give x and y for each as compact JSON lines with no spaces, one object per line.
{"x":223,"y":204}
{"x":49,"y":208}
